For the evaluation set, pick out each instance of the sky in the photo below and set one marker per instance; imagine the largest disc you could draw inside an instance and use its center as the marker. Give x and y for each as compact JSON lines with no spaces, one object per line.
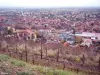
{"x":49,"y":3}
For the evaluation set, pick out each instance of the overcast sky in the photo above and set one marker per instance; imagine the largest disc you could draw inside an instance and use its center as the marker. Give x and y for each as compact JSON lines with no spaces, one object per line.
{"x":49,"y":3}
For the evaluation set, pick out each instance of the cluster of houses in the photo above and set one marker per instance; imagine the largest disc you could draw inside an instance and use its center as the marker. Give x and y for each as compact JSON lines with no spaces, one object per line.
{"x":84,"y":38}
{"x":89,"y":38}
{"x":23,"y":33}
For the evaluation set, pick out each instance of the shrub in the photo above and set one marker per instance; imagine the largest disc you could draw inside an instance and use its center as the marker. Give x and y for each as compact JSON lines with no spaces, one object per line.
{"x":3,"y":57}
{"x":91,"y":58}
{"x":18,"y":63}
{"x":77,"y":59}
{"x":39,"y":68}
{"x":48,"y":71}
{"x":22,"y":73}
{"x":3,"y":44}
{"x":52,"y":53}
{"x":25,"y":73}
{"x":70,"y":58}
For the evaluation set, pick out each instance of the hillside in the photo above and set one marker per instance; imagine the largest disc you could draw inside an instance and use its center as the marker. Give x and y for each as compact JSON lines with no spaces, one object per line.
{"x":10,"y":66}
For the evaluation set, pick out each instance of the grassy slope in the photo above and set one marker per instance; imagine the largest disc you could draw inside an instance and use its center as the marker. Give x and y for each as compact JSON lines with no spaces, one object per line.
{"x":12,"y":66}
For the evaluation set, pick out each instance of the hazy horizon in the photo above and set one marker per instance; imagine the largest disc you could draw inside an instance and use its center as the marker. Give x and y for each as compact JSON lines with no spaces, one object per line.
{"x":48,"y":3}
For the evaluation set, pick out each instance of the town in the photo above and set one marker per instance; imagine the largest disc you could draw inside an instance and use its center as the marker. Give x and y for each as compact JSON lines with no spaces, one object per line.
{"x":53,"y":25}
{"x":61,"y":35}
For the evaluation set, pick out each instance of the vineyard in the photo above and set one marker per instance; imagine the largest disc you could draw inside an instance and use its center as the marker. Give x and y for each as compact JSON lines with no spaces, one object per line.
{"x":79,"y":59}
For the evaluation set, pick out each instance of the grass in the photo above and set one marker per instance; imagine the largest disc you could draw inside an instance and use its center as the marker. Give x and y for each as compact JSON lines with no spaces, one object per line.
{"x":3,"y":57}
{"x":51,"y":53}
{"x":34,"y":68}
{"x":22,"y":73}
{"x":52,"y":71}
{"x":25,"y":73}
{"x":18,"y":63}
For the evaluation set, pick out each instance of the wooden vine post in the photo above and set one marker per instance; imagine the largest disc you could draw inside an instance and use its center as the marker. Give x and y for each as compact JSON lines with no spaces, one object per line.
{"x":26,"y":51}
{"x":46,"y":51}
{"x":33,"y":59}
{"x":41,"y":49}
{"x":58,"y":55}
